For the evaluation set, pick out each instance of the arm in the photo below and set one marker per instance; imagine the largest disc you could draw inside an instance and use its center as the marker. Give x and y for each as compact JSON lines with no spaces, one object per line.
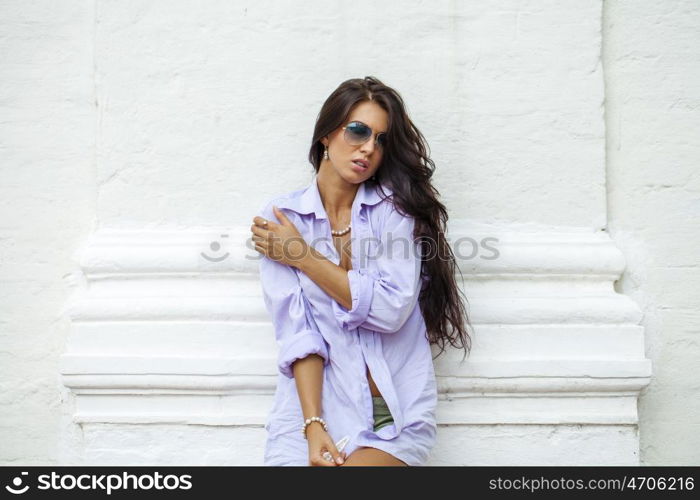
{"x":380,"y":301}
{"x":295,"y":330}
{"x":303,"y":351}
{"x":308,"y":374}
{"x":332,"y":278}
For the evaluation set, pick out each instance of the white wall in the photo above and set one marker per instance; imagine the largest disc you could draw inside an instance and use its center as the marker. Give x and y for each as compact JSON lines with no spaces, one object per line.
{"x":134,"y":135}
{"x":48,"y":197}
{"x":652,"y":66}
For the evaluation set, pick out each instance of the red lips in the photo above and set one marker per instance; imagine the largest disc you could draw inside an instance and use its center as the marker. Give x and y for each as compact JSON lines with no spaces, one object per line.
{"x":364,"y":162}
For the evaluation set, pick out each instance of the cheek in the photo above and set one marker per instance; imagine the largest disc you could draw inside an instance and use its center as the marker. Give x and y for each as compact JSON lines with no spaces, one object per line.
{"x":343,"y":152}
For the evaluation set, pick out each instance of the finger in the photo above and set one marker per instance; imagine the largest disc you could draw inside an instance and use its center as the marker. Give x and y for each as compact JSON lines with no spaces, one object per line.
{"x":337,"y":457}
{"x":255,"y":229}
{"x":262,"y":240}
{"x":327,"y":456}
{"x":260,"y":230}
{"x":281,"y":215}
{"x":320,"y":461}
{"x":261,"y":245}
{"x":262,"y":222}
{"x":259,"y":240}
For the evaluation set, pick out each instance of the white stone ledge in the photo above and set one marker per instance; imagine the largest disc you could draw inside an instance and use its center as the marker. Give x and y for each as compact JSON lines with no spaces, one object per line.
{"x":544,"y":251}
{"x":492,"y":310}
{"x":251,"y":410}
{"x":161,"y":336}
{"x":148,"y":365}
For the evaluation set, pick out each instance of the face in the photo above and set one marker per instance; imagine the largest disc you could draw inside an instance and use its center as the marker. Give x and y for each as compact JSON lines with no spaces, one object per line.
{"x":341,"y":154}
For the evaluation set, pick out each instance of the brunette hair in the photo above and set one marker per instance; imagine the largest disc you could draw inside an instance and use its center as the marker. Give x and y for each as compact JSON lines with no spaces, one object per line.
{"x":407,"y":168}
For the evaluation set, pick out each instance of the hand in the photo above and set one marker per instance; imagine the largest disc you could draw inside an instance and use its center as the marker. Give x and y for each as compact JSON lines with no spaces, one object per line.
{"x":280,"y":241}
{"x":319,"y":442}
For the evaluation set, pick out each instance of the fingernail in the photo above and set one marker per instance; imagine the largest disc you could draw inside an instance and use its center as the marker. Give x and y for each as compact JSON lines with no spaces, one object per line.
{"x":339,"y":460}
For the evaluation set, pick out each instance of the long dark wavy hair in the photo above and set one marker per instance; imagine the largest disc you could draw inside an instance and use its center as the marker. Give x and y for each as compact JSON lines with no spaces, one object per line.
{"x":407,"y":168}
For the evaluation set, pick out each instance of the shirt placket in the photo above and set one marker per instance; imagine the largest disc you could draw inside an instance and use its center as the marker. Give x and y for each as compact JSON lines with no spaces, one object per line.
{"x":355,"y":243}
{"x":327,"y":236}
{"x":369,"y":342}
{"x":366,"y":342}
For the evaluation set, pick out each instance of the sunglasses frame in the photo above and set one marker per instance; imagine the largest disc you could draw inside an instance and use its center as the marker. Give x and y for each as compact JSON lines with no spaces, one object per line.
{"x":376,"y":139}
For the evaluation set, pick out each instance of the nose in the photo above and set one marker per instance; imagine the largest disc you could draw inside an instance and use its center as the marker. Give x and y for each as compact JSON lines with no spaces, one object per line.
{"x":368,"y":146}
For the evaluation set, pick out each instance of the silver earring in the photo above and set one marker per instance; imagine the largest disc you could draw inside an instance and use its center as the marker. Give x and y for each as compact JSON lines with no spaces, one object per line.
{"x":325,"y":153}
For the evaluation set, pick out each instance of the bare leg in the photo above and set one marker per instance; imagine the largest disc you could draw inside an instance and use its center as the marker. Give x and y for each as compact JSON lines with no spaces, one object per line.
{"x":365,"y":455}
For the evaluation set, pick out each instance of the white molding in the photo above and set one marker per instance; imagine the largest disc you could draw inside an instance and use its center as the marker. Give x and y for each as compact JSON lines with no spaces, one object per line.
{"x":161,"y":335}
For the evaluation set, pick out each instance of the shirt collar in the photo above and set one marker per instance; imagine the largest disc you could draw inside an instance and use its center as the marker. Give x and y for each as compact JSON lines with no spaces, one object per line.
{"x":309,"y":201}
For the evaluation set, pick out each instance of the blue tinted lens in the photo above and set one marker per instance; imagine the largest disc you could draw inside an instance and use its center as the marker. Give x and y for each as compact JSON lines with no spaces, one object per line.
{"x":357,"y":132}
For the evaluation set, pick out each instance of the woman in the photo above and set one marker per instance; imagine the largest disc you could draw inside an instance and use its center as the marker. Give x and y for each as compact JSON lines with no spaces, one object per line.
{"x":359,"y":281}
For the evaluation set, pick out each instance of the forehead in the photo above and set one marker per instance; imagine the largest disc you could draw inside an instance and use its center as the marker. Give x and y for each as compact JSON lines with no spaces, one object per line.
{"x":370,"y":113}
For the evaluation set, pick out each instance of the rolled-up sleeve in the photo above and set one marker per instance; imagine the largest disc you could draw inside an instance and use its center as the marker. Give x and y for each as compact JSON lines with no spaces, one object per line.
{"x":295,"y":330}
{"x":383,"y":299}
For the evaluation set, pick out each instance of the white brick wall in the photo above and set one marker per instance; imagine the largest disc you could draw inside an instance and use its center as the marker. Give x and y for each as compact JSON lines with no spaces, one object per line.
{"x":132,"y":135}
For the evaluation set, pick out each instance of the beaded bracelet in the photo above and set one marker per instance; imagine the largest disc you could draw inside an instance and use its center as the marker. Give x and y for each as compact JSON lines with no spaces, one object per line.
{"x":312,"y":419}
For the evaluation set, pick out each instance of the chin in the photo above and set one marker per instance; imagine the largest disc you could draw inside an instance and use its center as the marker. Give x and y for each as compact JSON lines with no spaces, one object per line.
{"x":352,"y":177}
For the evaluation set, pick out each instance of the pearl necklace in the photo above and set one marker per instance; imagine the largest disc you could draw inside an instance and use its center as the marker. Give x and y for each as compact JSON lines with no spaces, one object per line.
{"x":340,"y":233}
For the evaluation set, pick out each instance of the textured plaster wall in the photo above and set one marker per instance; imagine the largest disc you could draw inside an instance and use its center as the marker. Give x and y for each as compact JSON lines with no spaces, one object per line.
{"x":154,"y":114}
{"x":652,"y":67}
{"x":47,"y":208}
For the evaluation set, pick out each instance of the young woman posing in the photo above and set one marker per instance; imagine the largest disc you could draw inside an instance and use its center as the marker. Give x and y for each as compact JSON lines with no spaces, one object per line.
{"x":359,"y":281}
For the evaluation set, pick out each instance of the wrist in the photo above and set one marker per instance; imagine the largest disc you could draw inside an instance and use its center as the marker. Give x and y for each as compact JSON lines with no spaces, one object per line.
{"x":310,"y":421}
{"x":313,"y":428}
{"x":302,"y":263}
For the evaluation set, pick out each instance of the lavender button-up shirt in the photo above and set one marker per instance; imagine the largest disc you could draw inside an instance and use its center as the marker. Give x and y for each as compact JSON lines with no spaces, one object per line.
{"x":384,"y":330}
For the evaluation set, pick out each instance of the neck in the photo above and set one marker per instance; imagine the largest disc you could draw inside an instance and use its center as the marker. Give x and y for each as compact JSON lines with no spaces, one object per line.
{"x":337,"y":195}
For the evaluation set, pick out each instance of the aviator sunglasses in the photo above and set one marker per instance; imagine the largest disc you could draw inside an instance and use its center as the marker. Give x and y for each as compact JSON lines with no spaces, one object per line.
{"x":357,"y":133}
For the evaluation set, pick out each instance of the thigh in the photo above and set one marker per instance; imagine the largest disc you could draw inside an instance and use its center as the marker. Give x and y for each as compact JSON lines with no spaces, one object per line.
{"x":364,"y":455}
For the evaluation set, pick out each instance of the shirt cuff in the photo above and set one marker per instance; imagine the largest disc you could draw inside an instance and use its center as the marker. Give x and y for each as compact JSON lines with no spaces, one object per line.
{"x":361,"y":290}
{"x":299,"y":346}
